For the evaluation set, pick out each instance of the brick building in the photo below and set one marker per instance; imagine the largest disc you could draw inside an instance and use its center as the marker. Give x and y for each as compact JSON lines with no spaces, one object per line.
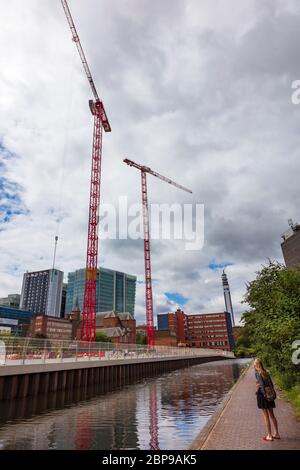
{"x":206,"y":330}
{"x":120,"y":327}
{"x":75,"y":319}
{"x":291,"y":246}
{"x":141,"y":329}
{"x":165,"y":338}
{"x":51,"y":327}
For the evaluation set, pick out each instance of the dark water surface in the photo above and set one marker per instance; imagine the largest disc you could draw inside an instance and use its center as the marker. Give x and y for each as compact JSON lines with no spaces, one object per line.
{"x":166,"y":412}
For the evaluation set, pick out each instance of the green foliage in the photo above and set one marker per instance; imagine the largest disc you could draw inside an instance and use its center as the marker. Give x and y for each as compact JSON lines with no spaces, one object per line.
{"x":293,"y":395}
{"x":40,"y":336}
{"x":141,"y":338}
{"x":102,"y":338}
{"x":273,"y":322}
{"x":244,"y":337}
{"x":241,"y":351}
{"x":290,"y":393}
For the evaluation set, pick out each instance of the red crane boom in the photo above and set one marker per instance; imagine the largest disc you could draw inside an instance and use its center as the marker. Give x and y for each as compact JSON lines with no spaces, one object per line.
{"x":147,"y":252}
{"x":88,"y":330}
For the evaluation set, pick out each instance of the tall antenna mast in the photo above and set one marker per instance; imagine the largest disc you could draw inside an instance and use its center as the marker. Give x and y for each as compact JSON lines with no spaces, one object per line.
{"x":54,"y":254}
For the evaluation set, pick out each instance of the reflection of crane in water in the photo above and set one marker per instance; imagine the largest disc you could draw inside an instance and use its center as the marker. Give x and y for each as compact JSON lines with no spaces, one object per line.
{"x":83,"y":439}
{"x":153,"y":428}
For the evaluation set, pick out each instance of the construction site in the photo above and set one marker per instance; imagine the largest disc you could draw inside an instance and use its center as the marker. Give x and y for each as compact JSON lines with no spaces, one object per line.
{"x":158,"y":309}
{"x":101,"y":123}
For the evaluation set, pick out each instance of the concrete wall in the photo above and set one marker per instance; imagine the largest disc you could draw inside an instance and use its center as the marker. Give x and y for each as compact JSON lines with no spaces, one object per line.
{"x":32,"y":380}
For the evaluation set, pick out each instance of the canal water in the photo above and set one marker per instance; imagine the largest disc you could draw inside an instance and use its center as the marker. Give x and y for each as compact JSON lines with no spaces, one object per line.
{"x":165,"y":412}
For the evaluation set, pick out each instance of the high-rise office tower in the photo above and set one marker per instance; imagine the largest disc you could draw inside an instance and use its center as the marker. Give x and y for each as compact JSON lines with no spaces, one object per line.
{"x":115,"y":291}
{"x":42,"y":291}
{"x":227,"y":296}
{"x":63,"y":300}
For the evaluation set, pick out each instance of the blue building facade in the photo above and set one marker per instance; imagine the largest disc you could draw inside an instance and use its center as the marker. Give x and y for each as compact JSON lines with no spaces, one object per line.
{"x":14,"y":321}
{"x":115,"y":291}
{"x":162,"y":321}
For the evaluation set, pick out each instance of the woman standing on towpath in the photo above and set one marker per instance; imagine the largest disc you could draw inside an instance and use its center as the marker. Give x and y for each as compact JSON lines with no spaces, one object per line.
{"x":266,"y":396}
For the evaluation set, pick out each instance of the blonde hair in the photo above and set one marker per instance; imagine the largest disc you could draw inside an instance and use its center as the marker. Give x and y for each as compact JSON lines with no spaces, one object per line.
{"x":259,"y":366}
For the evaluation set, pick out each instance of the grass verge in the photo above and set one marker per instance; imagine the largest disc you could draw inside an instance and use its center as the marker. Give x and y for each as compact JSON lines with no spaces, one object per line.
{"x":292,"y":394}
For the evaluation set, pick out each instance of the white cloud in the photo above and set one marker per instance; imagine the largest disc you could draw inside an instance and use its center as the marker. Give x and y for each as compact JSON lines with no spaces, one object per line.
{"x":203,"y":98}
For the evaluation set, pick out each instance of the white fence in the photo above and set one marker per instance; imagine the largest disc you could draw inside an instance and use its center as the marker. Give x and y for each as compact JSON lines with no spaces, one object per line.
{"x":16,"y":351}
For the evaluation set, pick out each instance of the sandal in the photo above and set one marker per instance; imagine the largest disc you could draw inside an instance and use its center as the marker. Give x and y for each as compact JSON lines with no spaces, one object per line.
{"x":265,"y":438}
{"x":276,"y":437}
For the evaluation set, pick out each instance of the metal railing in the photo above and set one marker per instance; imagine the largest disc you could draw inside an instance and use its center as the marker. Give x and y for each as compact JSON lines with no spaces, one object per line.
{"x":16,"y":351}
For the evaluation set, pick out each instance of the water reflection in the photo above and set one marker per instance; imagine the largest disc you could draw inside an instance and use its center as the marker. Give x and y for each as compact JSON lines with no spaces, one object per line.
{"x":166,"y":412}
{"x":153,"y":428}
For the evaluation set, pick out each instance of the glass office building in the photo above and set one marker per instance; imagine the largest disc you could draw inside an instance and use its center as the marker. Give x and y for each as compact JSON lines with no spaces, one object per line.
{"x":115,"y":291}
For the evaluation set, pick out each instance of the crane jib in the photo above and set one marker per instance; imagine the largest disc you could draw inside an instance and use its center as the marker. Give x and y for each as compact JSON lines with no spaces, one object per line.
{"x":146,"y":169}
{"x":76,"y":39}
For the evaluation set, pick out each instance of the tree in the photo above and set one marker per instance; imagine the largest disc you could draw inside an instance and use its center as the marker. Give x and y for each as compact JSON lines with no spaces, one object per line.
{"x":141,"y":338}
{"x":102,"y":337}
{"x":40,"y":336}
{"x":273,"y":321}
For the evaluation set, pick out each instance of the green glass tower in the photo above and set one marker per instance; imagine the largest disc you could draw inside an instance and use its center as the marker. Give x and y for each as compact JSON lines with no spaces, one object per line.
{"x":115,"y":290}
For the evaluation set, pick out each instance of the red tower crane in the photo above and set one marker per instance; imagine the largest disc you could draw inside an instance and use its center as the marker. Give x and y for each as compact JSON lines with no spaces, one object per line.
{"x":148,"y":280}
{"x":88,"y":330}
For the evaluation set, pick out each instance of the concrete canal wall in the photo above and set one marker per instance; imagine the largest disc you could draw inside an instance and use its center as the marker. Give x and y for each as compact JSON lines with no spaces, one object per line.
{"x":24,"y":380}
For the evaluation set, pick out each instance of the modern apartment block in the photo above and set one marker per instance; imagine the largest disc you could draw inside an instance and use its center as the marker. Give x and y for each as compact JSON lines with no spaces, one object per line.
{"x":42,"y":292}
{"x":115,"y":291}
{"x":12,"y":300}
{"x":291,"y":246}
{"x":204,"y":330}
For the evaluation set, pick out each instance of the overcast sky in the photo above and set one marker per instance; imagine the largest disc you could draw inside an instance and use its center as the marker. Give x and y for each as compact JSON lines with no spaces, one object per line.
{"x":199,"y":90}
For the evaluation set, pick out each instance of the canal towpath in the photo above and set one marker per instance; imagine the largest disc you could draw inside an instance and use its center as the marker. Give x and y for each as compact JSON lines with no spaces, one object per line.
{"x":238,"y":423}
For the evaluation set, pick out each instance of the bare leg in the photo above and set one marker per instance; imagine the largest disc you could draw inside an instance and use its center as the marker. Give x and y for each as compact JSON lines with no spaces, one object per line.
{"x":268,"y":425}
{"x":274,"y":421}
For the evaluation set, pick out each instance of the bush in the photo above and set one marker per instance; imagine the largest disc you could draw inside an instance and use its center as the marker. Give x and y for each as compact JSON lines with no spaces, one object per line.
{"x":242,"y":352}
{"x":102,"y":338}
{"x":273,"y":322}
{"x":141,"y":338}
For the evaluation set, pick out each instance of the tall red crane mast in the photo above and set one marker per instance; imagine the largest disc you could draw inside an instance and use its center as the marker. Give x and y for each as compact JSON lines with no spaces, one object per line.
{"x":88,"y":330}
{"x":147,"y":253}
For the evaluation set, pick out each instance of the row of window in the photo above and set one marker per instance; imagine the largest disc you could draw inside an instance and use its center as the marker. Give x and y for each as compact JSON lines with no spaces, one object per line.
{"x":204,"y":322}
{"x":210,"y":343}
{"x":206,"y":336}
{"x":57,"y":330}
{"x":205,"y":319}
{"x":59,"y":336}
{"x":64,"y":326}
{"x":206,"y":330}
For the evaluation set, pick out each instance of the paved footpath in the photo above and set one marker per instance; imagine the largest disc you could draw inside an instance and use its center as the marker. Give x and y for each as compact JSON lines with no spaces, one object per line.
{"x":240,"y":425}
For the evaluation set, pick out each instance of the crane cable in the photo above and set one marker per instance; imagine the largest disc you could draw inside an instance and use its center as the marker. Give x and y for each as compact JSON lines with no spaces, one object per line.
{"x":59,"y":213}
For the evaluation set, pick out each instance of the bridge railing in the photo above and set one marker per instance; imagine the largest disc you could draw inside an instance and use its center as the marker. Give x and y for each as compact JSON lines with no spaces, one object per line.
{"x":15,"y":351}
